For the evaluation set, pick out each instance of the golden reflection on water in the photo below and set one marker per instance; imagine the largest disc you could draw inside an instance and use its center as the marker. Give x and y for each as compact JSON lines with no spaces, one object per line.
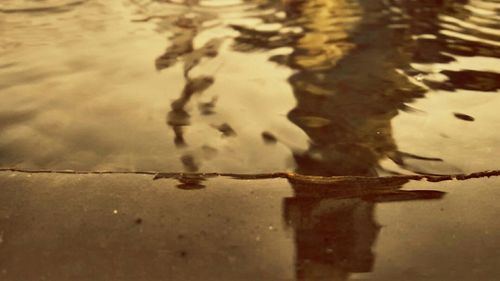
{"x":325,"y":41}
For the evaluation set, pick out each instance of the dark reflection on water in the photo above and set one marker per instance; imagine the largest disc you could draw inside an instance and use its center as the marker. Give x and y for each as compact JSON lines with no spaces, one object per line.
{"x":352,"y":74}
{"x":185,"y":28}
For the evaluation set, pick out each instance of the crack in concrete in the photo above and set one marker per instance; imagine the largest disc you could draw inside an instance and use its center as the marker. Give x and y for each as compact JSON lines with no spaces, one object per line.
{"x":292,"y":177}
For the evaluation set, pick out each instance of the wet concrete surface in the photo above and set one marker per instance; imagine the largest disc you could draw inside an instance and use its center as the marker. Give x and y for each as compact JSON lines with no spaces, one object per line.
{"x":130,"y":227}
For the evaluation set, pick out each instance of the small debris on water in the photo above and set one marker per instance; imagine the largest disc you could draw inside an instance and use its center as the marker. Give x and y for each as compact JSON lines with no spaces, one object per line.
{"x":115,"y":212}
{"x":138,"y":221}
{"x":269,"y":138}
{"x":226,"y":130}
{"x":464,"y":117}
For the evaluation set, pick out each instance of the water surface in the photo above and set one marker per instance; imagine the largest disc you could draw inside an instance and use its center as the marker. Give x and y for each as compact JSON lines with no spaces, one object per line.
{"x":318,"y":87}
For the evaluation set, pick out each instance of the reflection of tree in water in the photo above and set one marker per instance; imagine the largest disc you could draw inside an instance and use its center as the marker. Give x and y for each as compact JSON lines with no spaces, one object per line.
{"x":353,"y":75}
{"x":347,"y":83}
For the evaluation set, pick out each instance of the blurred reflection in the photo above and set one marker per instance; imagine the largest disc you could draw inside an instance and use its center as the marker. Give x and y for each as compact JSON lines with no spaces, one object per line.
{"x":358,"y":63}
{"x":354,"y":68}
{"x":185,"y":27}
{"x":178,"y":117}
{"x":353,"y":74}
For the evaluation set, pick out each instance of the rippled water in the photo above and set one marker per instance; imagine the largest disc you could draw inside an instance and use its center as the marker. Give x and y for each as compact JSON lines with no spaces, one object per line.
{"x":319,"y":87}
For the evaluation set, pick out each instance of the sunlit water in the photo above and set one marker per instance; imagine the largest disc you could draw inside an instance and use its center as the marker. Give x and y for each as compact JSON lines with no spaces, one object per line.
{"x":318,"y":87}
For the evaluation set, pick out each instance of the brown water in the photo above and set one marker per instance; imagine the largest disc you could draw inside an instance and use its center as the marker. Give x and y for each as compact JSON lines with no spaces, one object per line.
{"x":317,"y":87}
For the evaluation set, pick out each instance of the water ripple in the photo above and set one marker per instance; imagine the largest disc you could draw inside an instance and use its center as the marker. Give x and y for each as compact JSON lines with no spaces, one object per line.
{"x":30,"y":6}
{"x":209,"y":81}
